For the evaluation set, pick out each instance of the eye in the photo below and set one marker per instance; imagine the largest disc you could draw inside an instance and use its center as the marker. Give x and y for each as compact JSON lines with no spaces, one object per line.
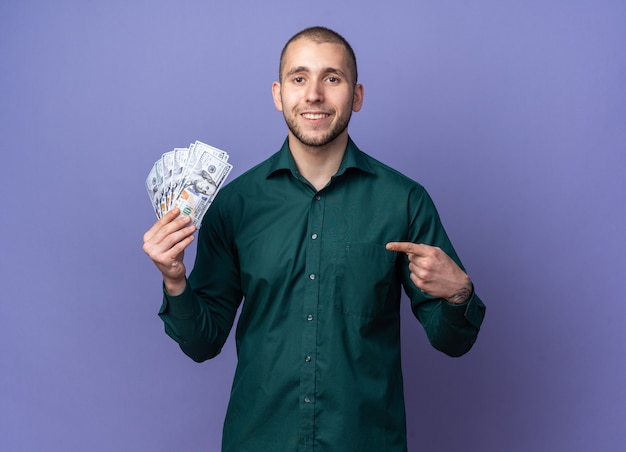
{"x":333,"y":79}
{"x":298,"y":80}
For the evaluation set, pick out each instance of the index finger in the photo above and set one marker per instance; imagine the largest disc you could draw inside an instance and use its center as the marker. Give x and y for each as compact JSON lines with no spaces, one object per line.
{"x":406,"y":247}
{"x":165,"y":219}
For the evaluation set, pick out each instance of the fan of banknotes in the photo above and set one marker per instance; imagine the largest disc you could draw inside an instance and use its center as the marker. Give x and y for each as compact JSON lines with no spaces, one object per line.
{"x":187,"y":178}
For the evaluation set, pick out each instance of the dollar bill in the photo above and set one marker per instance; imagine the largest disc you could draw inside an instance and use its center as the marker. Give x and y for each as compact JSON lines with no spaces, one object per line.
{"x":161,"y":192}
{"x":200,"y":184}
{"x":168,"y":174}
{"x":152,"y":186}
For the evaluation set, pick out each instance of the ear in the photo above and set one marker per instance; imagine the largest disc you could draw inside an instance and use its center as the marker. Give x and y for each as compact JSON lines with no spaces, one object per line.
{"x":278,"y":100}
{"x":357,"y":98}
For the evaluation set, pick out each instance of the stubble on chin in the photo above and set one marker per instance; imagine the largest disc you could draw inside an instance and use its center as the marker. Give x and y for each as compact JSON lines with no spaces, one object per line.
{"x":317,"y":140}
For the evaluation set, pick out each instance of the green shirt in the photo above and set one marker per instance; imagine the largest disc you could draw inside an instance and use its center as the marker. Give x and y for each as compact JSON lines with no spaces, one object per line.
{"x":318,"y":338}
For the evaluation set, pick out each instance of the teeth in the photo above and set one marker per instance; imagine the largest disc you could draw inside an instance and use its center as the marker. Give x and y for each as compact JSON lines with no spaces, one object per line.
{"x":314,"y":116}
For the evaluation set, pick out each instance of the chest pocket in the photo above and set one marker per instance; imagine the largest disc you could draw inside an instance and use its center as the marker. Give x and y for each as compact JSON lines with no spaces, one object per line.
{"x":364,"y":272}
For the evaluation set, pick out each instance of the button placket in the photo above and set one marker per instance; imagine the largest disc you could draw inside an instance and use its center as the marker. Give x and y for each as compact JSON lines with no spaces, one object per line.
{"x":310,"y":310}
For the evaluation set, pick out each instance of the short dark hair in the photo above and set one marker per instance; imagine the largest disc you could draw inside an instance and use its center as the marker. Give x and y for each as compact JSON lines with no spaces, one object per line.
{"x":322,"y":35}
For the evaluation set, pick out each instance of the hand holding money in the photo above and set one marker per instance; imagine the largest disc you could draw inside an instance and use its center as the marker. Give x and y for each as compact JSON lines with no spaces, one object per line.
{"x":165,"y":244}
{"x":181,"y":185}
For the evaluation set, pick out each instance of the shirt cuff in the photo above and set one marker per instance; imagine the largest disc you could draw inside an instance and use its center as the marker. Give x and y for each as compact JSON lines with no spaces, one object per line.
{"x":460,"y":314}
{"x":180,"y":306}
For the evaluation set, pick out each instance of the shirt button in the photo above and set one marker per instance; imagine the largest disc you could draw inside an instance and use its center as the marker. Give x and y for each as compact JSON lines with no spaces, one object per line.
{"x":309,"y":317}
{"x":314,"y":236}
{"x":307,"y":359}
{"x":318,"y":197}
{"x":307,"y":399}
{"x":312,"y":276}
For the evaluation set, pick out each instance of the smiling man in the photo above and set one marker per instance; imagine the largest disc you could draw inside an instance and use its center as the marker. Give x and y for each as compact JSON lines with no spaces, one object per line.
{"x":317,"y":94}
{"x":318,"y":241}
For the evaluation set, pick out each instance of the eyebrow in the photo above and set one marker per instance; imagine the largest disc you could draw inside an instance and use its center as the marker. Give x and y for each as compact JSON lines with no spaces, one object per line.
{"x":328,"y":70}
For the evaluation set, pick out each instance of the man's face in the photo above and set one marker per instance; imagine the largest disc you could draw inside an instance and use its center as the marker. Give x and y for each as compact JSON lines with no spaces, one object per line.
{"x":317,"y":94}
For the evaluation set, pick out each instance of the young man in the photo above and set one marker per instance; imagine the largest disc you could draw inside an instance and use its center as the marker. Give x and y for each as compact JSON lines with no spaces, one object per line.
{"x":319,"y":240}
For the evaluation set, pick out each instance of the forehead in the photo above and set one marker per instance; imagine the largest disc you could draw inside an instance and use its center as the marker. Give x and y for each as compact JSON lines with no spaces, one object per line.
{"x":314,"y":56}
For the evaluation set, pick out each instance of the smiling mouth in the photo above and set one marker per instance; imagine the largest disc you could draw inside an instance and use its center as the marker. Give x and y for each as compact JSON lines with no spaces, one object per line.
{"x":315,"y":115}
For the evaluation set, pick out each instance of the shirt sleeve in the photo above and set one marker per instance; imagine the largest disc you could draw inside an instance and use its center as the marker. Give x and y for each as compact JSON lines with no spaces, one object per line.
{"x":451,"y":328}
{"x":201,"y":318}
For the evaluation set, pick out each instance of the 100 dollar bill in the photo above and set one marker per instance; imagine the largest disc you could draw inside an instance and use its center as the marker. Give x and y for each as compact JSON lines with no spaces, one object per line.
{"x":199,"y":185}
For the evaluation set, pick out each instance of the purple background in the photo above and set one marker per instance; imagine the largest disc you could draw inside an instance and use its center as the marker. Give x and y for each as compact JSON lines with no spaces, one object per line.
{"x":512,"y":114}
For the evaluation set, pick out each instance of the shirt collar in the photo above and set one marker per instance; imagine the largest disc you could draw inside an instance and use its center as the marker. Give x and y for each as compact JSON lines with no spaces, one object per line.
{"x":352,"y":159}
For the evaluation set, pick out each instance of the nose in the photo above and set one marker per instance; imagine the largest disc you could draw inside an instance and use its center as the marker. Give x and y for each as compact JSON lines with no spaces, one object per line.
{"x":314,"y":92}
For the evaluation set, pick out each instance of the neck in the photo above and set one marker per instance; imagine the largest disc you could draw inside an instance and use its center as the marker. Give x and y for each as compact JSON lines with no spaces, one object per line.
{"x":318,"y":164}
